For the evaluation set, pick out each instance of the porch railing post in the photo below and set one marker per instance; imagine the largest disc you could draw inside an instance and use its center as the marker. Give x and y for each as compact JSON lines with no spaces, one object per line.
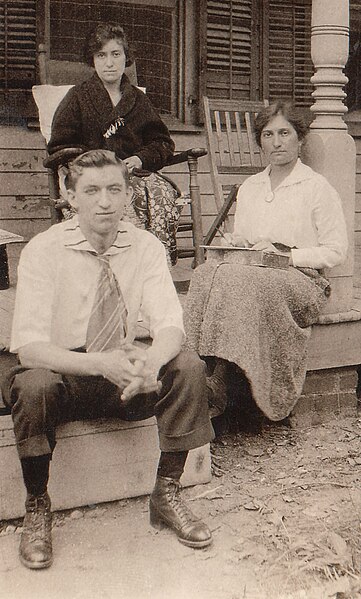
{"x":329,"y":149}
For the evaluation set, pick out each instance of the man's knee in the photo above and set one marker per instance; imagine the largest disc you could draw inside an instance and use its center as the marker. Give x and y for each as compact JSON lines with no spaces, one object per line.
{"x":188,"y":364}
{"x":34,"y":386}
{"x":189,"y":361}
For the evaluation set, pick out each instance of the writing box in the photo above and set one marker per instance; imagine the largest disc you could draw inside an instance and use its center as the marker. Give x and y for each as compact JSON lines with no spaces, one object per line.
{"x":247,"y":256}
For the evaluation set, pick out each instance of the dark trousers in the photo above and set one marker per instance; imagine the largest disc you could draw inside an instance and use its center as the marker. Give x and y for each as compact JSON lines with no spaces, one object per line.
{"x":41,"y":399}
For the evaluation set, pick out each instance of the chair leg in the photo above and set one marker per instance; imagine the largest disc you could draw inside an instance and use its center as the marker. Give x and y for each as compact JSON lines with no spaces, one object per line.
{"x":196,"y":210}
{"x":55,"y":214}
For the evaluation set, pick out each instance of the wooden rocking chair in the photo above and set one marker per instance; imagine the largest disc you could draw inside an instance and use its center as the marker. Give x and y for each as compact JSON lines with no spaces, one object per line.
{"x":232,"y":151}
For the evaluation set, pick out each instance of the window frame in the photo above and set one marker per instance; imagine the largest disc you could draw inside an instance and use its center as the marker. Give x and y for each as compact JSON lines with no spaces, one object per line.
{"x":355,"y":25}
{"x":184,"y":18}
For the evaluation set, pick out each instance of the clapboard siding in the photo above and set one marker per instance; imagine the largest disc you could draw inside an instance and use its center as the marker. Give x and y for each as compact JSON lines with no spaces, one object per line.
{"x":23,"y":160}
{"x":24,"y":187}
{"x":19,"y":207}
{"x":21,"y":183}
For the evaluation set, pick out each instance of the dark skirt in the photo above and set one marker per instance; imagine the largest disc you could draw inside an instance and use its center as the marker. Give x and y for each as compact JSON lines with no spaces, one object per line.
{"x":260,"y":319}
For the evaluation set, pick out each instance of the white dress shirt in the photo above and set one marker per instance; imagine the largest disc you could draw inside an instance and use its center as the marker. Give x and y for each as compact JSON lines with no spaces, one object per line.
{"x":57,"y":279}
{"x":304,"y":212}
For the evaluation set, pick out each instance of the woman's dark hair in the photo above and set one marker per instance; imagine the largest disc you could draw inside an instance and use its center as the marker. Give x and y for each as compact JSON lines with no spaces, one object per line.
{"x":103,"y":33}
{"x":285,"y":109}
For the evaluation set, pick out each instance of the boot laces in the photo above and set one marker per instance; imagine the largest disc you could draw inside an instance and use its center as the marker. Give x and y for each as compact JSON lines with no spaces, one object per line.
{"x":37,"y":518}
{"x":180,"y":507}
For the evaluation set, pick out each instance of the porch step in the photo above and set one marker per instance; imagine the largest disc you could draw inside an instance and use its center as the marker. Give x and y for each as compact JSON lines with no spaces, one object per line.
{"x":94,"y":461}
{"x":335,"y":340}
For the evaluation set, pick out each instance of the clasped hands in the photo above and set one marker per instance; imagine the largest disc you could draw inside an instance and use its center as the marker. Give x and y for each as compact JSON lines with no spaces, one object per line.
{"x":132,"y":369}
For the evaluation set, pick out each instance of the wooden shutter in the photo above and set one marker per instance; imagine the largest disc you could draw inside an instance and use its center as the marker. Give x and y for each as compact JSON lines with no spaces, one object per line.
{"x":17,"y":56}
{"x":289,"y":51}
{"x":230,"y":49}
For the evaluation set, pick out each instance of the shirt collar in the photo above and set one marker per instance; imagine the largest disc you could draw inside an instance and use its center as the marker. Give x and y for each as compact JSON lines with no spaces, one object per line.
{"x":74,"y":238}
{"x":300,"y":172}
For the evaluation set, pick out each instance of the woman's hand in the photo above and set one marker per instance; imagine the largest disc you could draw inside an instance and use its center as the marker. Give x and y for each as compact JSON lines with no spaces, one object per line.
{"x":133,"y":162}
{"x":232,"y":239}
{"x":266,"y":246}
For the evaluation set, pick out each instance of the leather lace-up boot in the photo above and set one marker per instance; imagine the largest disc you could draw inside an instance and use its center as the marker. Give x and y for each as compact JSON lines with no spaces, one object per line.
{"x":168,"y":510}
{"x":35,"y":545}
{"x":217,"y":389}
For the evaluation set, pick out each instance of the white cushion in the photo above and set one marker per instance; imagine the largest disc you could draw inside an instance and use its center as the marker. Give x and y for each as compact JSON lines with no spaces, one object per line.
{"x":48,"y":98}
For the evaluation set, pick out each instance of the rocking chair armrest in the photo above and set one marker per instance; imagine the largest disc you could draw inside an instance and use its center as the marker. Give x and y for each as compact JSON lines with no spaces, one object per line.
{"x":56,"y":204}
{"x":183,"y":156}
{"x":61,"y":157}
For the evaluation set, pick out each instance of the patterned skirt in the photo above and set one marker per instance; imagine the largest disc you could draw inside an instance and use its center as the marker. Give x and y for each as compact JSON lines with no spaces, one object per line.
{"x":154,"y":208}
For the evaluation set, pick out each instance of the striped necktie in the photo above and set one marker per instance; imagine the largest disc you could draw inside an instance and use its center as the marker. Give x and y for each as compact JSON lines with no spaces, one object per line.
{"x":107,"y":322}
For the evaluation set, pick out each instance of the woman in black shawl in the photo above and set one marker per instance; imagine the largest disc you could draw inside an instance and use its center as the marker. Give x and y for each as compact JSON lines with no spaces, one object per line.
{"x":106,"y":111}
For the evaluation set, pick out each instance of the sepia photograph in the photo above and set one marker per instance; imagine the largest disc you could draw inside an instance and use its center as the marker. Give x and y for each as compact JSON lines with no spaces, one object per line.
{"x":180,"y":299}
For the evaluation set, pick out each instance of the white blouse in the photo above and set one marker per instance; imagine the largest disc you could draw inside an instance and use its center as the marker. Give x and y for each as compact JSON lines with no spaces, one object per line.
{"x":304,"y":212}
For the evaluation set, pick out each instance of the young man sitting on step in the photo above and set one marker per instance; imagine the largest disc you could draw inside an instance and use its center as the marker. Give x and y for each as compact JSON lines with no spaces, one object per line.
{"x":81,"y":285}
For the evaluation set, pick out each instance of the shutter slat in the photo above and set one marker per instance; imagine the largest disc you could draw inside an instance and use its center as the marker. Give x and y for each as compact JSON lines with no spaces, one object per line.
{"x":228,"y":46}
{"x":17,"y":44}
{"x":290,"y":65}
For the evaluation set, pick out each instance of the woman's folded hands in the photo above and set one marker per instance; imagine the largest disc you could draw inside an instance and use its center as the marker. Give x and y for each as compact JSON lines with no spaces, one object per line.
{"x":231,"y":239}
{"x":265,"y":245}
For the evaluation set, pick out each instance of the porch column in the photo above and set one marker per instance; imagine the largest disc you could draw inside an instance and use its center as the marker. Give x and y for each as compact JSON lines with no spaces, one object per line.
{"x":329,"y":149}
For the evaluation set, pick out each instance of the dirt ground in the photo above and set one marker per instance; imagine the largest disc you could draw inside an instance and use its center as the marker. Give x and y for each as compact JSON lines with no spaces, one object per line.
{"x":284,"y":506}
{"x":296,"y":497}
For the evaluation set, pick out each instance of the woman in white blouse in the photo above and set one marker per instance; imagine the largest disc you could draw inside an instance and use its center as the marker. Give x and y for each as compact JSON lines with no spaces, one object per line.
{"x":256,"y":321}
{"x":288,"y":202}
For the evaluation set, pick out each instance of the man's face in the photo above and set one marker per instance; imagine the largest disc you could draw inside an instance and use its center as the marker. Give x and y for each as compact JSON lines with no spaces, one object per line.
{"x":100,"y":197}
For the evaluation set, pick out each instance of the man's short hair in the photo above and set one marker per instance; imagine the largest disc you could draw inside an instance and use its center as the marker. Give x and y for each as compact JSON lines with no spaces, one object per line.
{"x":94,"y":159}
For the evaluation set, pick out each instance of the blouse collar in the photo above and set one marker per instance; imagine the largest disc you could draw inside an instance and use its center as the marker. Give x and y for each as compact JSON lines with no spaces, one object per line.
{"x":300,"y":172}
